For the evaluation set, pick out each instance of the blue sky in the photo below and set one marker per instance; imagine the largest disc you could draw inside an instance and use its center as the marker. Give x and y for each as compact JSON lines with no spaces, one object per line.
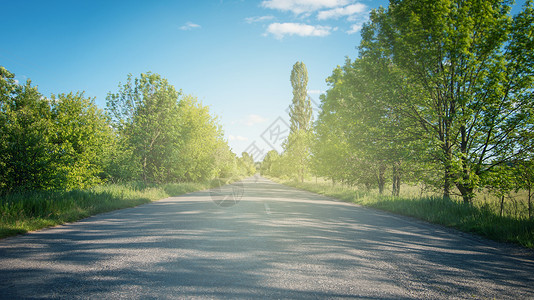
{"x":235,"y":56}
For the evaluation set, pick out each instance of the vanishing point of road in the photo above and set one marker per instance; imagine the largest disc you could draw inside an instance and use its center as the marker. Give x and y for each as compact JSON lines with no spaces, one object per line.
{"x":277,"y":242}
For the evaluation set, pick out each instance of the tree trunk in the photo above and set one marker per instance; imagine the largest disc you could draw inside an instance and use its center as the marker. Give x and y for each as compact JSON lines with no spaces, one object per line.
{"x":529,"y":202}
{"x":395,"y":191}
{"x":381,"y":178}
{"x":502,"y":205}
{"x":447,"y":181}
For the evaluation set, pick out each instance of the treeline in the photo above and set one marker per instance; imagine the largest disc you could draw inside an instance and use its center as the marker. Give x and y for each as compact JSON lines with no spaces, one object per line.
{"x":149,"y":132}
{"x":441,"y":94}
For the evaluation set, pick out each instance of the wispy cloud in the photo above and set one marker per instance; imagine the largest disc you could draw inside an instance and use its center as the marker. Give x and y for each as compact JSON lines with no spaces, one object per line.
{"x":279,"y":30}
{"x":253,"y":119}
{"x":189,"y":26}
{"x":302,"y":6}
{"x":346,"y":11}
{"x":315,"y":92}
{"x":258,"y":19}
{"x":237,"y":138}
{"x":355,"y":28}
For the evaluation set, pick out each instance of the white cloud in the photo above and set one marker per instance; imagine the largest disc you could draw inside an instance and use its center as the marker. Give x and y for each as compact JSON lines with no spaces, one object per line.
{"x":279,"y":30}
{"x":253,"y":119}
{"x":315,"y":92}
{"x":355,"y":28}
{"x":189,"y":26}
{"x":237,"y":138}
{"x":258,"y":19}
{"x":347,"y":11}
{"x":302,"y":6}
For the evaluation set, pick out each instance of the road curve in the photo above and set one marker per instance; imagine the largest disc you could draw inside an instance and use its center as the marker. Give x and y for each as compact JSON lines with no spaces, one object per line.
{"x":277,"y":242}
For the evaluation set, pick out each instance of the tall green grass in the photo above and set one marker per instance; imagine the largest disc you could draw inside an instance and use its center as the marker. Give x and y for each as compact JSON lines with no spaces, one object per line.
{"x":481,"y":217}
{"x":28,"y":211}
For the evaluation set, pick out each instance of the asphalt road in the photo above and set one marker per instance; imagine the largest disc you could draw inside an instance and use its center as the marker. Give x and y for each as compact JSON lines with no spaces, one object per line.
{"x":277,"y":242}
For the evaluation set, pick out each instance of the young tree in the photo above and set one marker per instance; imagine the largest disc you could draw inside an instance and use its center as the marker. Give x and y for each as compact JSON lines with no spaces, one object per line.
{"x":145,"y":113}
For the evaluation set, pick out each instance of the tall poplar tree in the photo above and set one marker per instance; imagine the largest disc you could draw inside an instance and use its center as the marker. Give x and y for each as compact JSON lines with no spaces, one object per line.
{"x":300,"y":110}
{"x":297,"y":144}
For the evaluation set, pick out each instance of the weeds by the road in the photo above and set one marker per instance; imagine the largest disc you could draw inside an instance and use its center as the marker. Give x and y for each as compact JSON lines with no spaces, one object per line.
{"x":479,"y":217}
{"x":27,"y":211}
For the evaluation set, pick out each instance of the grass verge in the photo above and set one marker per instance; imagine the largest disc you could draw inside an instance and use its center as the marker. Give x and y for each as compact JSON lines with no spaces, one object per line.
{"x":477,"y":218}
{"x":28,"y":211}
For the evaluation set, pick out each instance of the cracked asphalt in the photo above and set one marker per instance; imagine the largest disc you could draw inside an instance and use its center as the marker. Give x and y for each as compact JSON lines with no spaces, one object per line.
{"x":276,"y":242}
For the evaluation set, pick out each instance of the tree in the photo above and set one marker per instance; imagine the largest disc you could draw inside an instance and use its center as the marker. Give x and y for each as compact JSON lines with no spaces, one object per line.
{"x":145,"y":113}
{"x":200,"y":141}
{"x":81,"y":135}
{"x":473,"y":66}
{"x":297,"y":144}
{"x":55,"y":143}
{"x":268,"y":164}
{"x":25,"y":129}
{"x":300,"y":109}
{"x":246,"y":164}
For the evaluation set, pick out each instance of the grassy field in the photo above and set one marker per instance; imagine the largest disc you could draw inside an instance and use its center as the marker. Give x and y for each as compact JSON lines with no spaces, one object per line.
{"x":23,"y":212}
{"x":482,"y":217}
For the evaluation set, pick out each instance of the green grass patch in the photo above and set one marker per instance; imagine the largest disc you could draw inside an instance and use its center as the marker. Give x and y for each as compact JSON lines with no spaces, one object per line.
{"x":28,"y":211}
{"x":480,"y":218}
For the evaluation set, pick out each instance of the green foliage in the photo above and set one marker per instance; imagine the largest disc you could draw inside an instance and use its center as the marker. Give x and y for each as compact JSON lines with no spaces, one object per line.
{"x":145,"y":114}
{"x":300,"y":109}
{"x":201,"y":140}
{"x":297,"y":146}
{"x":246,"y":165}
{"x":439,"y":86}
{"x":269,"y":165}
{"x":468,"y":60}
{"x":164,"y":137}
{"x":81,"y":135}
{"x":25,"y":130}
{"x":55,"y":143}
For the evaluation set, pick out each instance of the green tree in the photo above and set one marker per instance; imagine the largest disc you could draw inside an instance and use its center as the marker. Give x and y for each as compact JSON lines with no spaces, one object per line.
{"x":268,"y":164}
{"x":144,"y":112}
{"x":297,"y":145}
{"x":300,"y":110}
{"x":201,"y":137}
{"x":473,"y":66}
{"x":25,"y":130}
{"x":81,"y":133}
{"x":55,"y":143}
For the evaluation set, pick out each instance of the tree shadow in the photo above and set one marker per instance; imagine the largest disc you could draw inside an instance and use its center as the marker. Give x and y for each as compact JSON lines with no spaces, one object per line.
{"x":304,"y":246}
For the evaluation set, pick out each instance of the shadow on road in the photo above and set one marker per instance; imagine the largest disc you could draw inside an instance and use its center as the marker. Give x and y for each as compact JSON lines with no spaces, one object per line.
{"x":304,"y":246}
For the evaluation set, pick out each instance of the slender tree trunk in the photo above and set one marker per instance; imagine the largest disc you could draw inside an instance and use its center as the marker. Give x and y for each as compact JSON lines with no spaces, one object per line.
{"x":465,"y":188}
{"x":395,"y":191}
{"x":502,"y":205}
{"x":529,"y":202}
{"x":447,"y":180}
{"x":381,"y":178}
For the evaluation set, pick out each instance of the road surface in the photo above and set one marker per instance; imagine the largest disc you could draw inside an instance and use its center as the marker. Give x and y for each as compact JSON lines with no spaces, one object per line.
{"x":277,"y":242}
